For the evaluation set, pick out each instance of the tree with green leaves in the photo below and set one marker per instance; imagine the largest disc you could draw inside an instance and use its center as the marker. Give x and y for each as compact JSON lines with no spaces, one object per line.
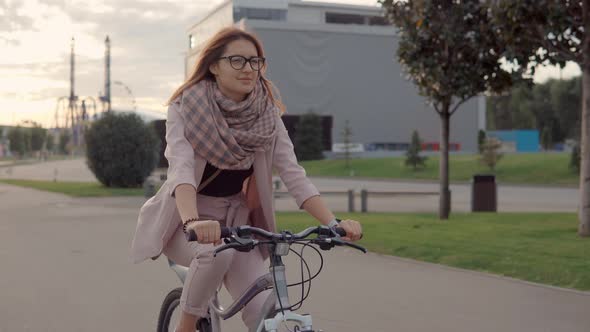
{"x":491,"y":155}
{"x":554,"y":103}
{"x":346,"y":139}
{"x":122,"y":151}
{"x":27,"y":138}
{"x":566,"y":98}
{"x":64,"y":141}
{"x":546,"y":140}
{"x":38,"y":137}
{"x":481,"y":139}
{"x":538,"y":32}
{"x":413,"y":157}
{"x":308,"y":138}
{"x":541,"y":107}
{"x":451,"y":53}
{"x":512,"y":109}
{"x":16,"y":136}
{"x":49,"y":143}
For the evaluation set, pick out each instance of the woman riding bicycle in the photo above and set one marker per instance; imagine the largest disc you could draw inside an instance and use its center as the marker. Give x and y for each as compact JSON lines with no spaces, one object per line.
{"x":224,"y":136}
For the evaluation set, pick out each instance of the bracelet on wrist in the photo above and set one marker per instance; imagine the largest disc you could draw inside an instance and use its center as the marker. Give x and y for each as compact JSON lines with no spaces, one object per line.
{"x":334,"y":222}
{"x":186,"y":222}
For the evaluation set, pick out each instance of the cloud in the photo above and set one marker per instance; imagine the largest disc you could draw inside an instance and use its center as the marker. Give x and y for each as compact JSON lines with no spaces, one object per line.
{"x":11,"y":17}
{"x":139,"y":28}
{"x":148,"y":40}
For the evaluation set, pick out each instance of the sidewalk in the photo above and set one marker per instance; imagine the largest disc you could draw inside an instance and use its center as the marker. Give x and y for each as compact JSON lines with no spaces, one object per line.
{"x":62,"y":170}
{"x":510,"y":198}
{"x":65,"y":267}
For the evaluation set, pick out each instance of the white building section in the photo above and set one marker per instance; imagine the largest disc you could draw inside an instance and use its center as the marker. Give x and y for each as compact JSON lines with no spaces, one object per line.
{"x":340,"y":62}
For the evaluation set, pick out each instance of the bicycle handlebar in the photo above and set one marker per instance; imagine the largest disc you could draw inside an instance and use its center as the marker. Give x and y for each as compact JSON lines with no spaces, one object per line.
{"x":246,"y":230}
{"x":330,"y":235}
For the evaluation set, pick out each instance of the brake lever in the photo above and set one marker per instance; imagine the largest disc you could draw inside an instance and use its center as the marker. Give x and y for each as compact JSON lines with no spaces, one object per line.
{"x":240,"y":244}
{"x":341,"y":242}
{"x":324,"y":243}
{"x":227,"y":246}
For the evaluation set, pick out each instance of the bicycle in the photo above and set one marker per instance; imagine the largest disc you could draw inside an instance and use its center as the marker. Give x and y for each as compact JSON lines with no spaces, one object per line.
{"x":277,"y":308}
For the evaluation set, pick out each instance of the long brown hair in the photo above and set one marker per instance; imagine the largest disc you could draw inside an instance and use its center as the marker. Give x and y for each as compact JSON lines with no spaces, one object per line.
{"x":213,"y":49}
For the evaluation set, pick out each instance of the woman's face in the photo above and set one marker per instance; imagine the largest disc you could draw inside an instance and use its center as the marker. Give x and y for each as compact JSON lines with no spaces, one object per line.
{"x":237,"y":83}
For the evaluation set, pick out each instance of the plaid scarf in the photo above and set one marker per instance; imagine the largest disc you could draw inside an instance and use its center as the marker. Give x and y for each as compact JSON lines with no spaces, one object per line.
{"x":224,"y":132}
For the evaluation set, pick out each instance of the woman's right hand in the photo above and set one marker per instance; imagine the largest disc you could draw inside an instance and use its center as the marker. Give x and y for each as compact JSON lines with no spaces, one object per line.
{"x":208,"y":231}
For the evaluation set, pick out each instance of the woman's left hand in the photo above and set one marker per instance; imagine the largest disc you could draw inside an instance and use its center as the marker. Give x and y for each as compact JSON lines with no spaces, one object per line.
{"x":353,"y":229}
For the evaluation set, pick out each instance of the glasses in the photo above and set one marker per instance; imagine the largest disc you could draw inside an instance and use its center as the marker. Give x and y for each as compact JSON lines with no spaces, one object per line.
{"x":238,"y":62}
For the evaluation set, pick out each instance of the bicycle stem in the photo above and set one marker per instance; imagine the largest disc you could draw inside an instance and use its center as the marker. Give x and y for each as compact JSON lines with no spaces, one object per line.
{"x":277,"y":269}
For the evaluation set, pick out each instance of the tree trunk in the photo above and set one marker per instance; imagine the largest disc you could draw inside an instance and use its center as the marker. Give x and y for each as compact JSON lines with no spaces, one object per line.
{"x":444,"y":208}
{"x":584,"y":212}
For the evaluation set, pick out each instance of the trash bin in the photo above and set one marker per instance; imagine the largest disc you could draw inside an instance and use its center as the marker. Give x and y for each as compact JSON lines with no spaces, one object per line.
{"x":484,"y":197}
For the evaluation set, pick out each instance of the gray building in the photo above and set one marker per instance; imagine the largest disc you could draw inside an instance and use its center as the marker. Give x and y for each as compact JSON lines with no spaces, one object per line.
{"x":339,"y":61}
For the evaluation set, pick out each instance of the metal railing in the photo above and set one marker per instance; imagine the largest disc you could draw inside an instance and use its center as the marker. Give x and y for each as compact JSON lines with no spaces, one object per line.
{"x":364,"y":196}
{"x":151,"y":186}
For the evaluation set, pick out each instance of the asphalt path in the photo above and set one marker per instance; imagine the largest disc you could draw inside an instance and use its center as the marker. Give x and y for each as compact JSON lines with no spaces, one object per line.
{"x":66,"y":267}
{"x":510,"y":198}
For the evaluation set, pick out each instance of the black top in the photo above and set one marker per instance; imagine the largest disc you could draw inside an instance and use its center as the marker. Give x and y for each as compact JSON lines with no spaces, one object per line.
{"x":227,"y":182}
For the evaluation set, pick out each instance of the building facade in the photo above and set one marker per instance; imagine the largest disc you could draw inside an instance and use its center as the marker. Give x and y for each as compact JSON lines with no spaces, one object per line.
{"x":517,"y":140}
{"x":339,"y":61}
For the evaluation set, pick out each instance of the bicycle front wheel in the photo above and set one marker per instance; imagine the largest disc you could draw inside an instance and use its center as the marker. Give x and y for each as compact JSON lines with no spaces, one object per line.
{"x":170,"y":311}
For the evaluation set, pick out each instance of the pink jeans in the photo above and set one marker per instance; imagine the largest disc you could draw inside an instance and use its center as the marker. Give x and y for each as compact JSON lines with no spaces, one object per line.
{"x":236,"y":269}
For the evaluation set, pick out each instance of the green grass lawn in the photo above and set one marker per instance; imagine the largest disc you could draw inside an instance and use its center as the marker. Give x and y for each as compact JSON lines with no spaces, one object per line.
{"x":526,"y":168}
{"x":538,"y":247}
{"x":76,"y":189}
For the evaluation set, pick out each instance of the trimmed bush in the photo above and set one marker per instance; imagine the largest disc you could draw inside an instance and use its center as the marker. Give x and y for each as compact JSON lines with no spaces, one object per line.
{"x":413,"y":157}
{"x":121,"y":150}
{"x":491,"y":155}
{"x":308,"y":137}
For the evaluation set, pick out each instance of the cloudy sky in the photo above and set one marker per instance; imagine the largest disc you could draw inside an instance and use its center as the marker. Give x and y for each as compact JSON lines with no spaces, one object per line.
{"x":148,"y":40}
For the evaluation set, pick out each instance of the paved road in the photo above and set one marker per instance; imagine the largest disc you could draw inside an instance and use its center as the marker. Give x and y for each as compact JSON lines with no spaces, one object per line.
{"x":65,"y":267}
{"x":60,"y":170}
{"x":510,"y":198}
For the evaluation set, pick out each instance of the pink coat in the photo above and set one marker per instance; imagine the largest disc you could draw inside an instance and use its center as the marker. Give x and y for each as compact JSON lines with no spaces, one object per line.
{"x":159,"y":218}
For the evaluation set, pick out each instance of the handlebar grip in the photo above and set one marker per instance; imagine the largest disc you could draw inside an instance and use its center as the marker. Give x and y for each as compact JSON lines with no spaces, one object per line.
{"x":225,"y":232}
{"x":340,"y":231}
{"x":192,"y":235}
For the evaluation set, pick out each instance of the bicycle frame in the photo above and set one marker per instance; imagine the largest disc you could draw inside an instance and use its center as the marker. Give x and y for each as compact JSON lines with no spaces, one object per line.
{"x":279,"y":296}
